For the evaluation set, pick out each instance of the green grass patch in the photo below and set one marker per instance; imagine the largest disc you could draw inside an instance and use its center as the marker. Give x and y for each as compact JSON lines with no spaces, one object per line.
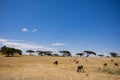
{"x":111,"y":71}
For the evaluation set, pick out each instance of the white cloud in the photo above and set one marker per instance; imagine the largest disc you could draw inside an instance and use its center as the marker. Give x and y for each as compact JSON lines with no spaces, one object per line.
{"x":59,"y":44}
{"x":25,"y":30}
{"x":34,"y":30}
{"x":23,"y":45}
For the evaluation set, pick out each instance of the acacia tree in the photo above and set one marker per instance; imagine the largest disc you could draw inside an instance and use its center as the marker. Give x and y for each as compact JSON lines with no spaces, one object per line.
{"x":80,"y":54}
{"x":40,"y":53}
{"x":9,"y":52}
{"x":89,"y":53}
{"x":48,"y":53}
{"x":55,"y":55}
{"x":101,"y":55}
{"x":65,"y":53}
{"x":30,"y":51}
{"x":18,"y":51}
{"x":113,"y":54}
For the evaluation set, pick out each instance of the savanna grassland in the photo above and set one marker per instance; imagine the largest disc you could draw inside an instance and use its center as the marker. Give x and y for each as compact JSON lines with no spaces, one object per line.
{"x":42,"y":68}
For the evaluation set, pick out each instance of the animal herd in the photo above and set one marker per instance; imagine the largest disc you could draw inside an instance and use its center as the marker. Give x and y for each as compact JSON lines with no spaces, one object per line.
{"x":115,"y":64}
{"x":80,"y":67}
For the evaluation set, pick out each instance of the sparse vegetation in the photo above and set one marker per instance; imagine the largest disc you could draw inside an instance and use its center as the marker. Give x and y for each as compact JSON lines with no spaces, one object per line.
{"x":101,"y":55}
{"x":42,"y":68}
{"x":113,"y":54}
{"x":55,"y":55}
{"x":80,"y":54}
{"x":48,"y":53}
{"x":65,"y":53}
{"x":111,"y":71}
{"x":10,"y":52}
{"x":89,"y":53}
{"x":30,"y":51}
{"x":44,"y":53}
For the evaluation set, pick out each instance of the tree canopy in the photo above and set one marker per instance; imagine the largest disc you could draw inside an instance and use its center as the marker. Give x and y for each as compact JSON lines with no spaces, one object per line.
{"x":40,"y":53}
{"x":65,"y":53}
{"x":89,"y":53}
{"x":10,"y":51}
{"x":48,"y":53}
{"x":30,"y":51}
{"x":113,"y":54}
{"x":101,"y":55}
{"x":80,"y":54}
{"x":55,"y":55}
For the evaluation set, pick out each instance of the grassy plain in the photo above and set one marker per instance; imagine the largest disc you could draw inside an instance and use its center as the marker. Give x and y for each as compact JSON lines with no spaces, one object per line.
{"x":42,"y":68}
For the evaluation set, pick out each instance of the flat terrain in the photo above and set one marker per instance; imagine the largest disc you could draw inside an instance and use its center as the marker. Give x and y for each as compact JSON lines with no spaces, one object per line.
{"x":42,"y":68}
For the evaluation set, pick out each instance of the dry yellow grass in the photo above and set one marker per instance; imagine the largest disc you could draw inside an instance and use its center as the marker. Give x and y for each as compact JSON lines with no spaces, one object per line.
{"x":41,"y":68}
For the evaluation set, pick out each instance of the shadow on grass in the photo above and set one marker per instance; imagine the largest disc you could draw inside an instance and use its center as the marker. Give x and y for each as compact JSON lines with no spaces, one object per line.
{"x":12,"y":56}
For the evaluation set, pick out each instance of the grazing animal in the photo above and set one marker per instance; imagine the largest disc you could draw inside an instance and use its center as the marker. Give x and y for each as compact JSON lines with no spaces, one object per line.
{"x":99,"y":68}
{"x":80,"y":68}
{"x":56,"y":63}
{"x":77,"y":62}
{"x":74,"y":60}
{"x":112,"y":60}
{"x":86,"y":74}
{"x":105,"y":64}
{"x":116,"y":64}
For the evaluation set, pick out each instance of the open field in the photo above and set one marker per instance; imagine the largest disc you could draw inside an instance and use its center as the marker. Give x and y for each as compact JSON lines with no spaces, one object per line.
{"x":41,"y":68}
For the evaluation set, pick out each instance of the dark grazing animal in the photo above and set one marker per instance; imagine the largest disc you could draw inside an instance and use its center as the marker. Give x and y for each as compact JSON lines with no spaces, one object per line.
{"x":116,"y":64}
{"x":56,"y":63}
{"x":112,"y":60}
{"x":105,"y":64}
{"x":99,"y":68}
{"x":80,"y":68}
{"x":74,"y":60}
{"x":77,"y":62}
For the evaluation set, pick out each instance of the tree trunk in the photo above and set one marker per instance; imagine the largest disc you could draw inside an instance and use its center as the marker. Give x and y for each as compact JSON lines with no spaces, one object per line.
{"x":8,"y":55}
{"x":12,"y":54}
{"x":88,"y":55}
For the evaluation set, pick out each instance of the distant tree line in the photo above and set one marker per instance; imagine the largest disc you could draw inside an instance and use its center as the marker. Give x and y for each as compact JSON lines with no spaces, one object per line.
{"x":9,"y":52}
{"x":66,"y":53}
{"x":49,"y":53}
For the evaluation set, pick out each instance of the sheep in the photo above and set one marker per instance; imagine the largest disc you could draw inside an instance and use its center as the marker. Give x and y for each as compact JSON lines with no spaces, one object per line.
{"x":79,"y":68}
{"x":116,"y":64}
{"x":56,"y":63}
{"x":105,"y":64}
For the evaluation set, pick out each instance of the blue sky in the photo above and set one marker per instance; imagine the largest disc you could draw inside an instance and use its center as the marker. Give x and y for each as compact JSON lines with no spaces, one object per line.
{"x":74,"y":25}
